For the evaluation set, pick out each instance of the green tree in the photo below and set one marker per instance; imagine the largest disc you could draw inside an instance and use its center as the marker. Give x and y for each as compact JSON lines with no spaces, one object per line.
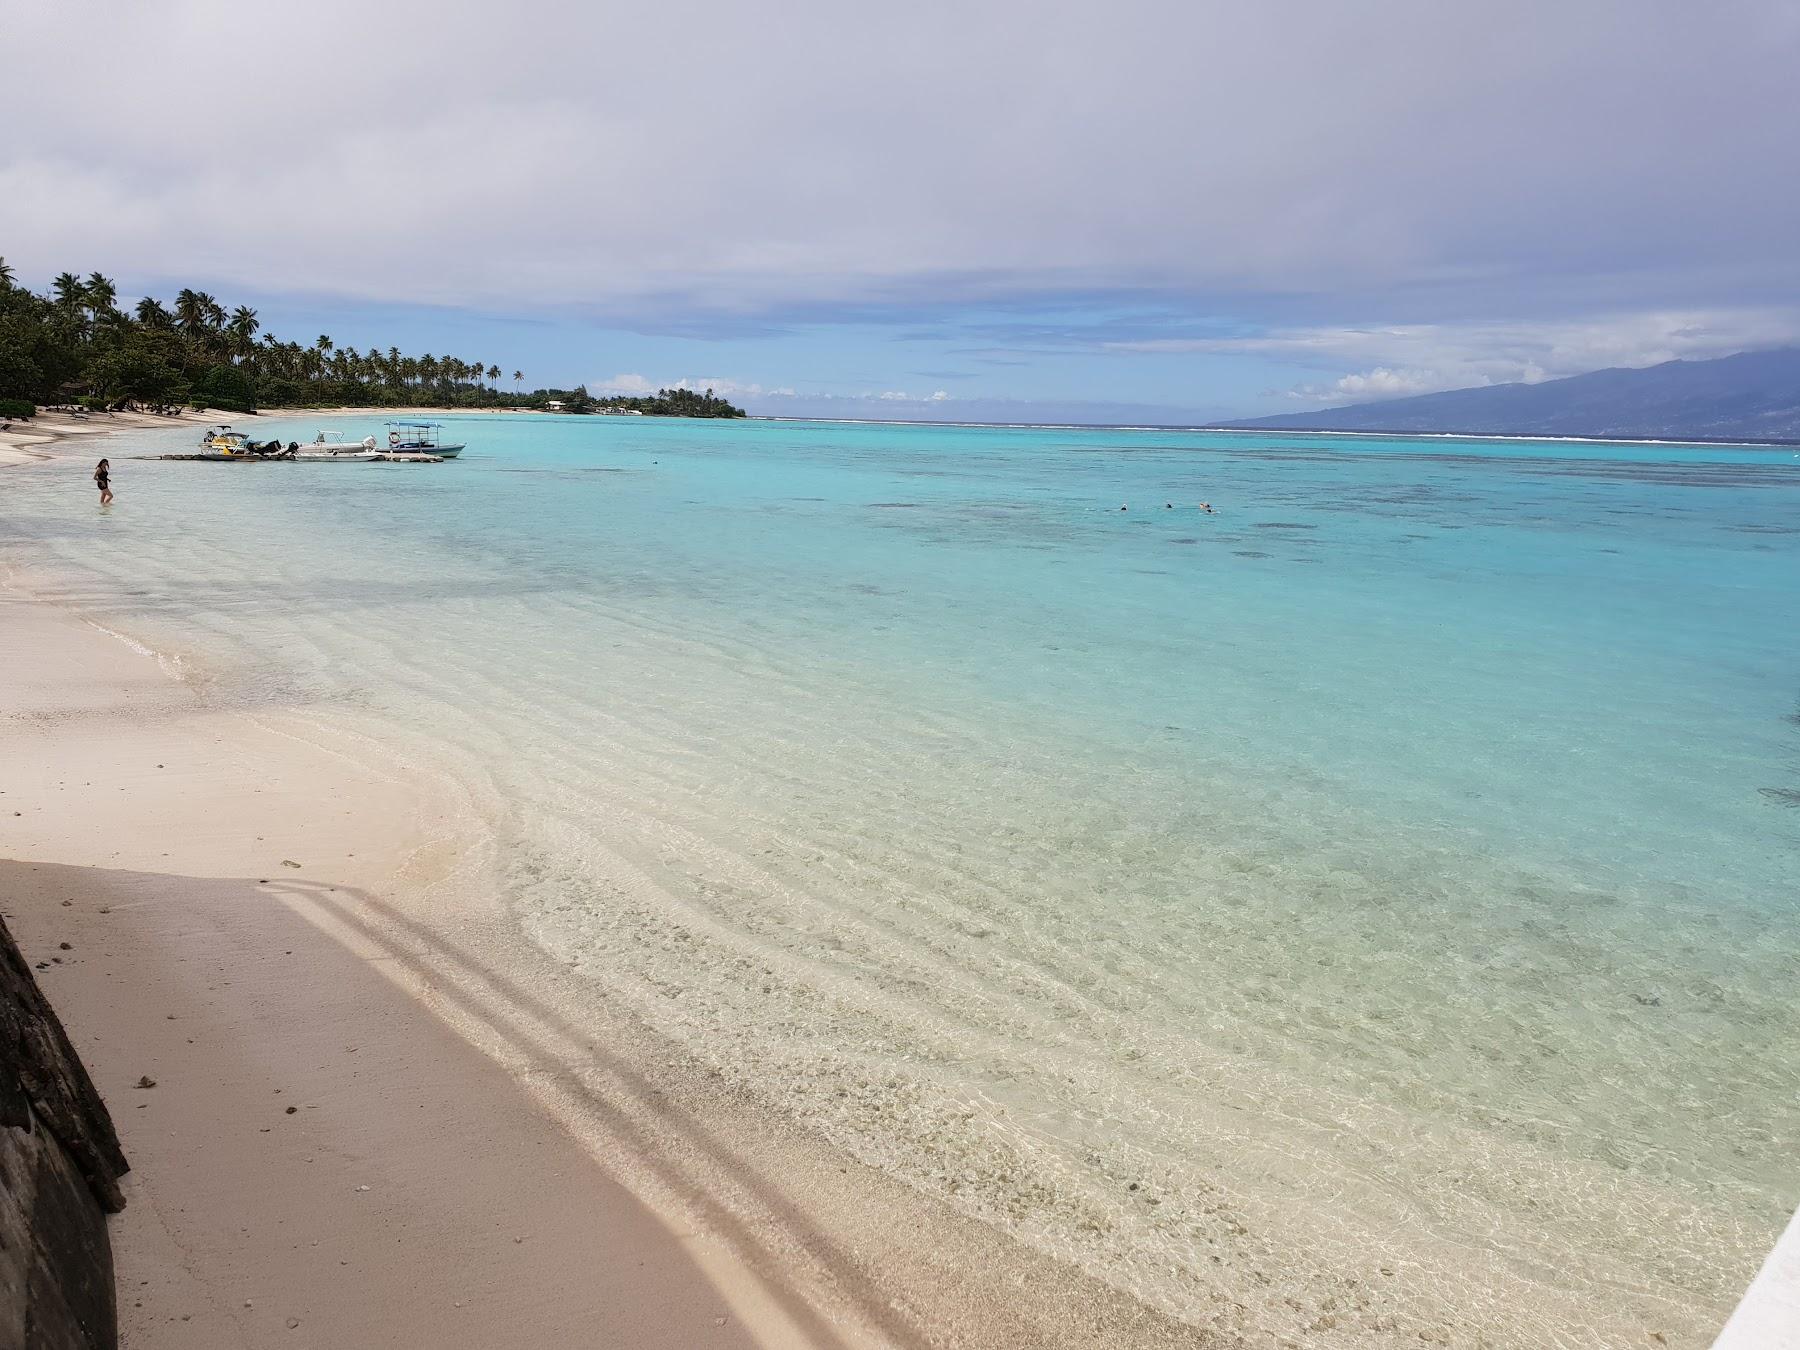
{"x":100,"y":295}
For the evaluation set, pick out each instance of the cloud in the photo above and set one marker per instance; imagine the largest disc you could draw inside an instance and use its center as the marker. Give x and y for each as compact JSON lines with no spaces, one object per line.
{"x":623,"y":384}
{"x":1439,"y":150}
{"x":1399,"y":360}
{"x":723,"y":387}
{"x":1375,"y":384}
{"x":871,"y":406}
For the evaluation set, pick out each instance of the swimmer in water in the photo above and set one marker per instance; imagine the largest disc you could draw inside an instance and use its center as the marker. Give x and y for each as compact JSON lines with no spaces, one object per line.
{"x":103,"y":481}
{"x":1206,"y":507}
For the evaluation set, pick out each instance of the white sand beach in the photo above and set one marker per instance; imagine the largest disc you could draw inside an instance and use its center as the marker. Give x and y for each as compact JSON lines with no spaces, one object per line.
{"x":27,"y":440}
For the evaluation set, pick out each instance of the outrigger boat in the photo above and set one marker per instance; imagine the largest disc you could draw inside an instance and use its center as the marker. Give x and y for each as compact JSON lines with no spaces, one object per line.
{"x":420,"y":438}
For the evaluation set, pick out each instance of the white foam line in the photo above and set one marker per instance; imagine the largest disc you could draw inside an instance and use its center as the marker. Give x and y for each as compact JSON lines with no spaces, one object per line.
{"x":1214,"y":429}
{"x":170,"y":665}
{"x":1769,"y":1316}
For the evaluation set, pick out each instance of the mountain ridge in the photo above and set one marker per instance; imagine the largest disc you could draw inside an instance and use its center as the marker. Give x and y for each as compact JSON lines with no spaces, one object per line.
{"x":1750,"y":396}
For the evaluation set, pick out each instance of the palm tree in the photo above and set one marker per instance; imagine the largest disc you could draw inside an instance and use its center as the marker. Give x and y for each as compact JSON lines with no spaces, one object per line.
{"x":67,"y":287}
{"x":151,"y":314}
{"x":190,"y":313}
{"x":242,"y":330}
{"x":6,"y":276}
{"x":518,"y":382}
{"x":494,"y":379}
{"x":100,"y":294}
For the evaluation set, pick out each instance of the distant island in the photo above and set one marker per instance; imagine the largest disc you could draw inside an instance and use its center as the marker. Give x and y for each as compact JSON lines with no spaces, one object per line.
{"x":663,"y":403}
{"x":75,"y":346}
{"x":1753,"y":396}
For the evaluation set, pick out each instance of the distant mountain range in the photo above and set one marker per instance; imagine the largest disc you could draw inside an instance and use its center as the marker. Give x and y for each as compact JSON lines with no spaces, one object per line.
{"x":1754,"y":396}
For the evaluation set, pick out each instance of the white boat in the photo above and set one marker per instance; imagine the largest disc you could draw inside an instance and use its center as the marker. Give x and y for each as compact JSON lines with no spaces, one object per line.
{"x":406,"y":457}
{"x":334,"y":442}
{"x":420,"y":438}
{"x":331,"y":447}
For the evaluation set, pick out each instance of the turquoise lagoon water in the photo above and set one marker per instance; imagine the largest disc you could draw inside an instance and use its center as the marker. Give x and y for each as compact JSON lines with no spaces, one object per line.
{"x":1377,"y":894}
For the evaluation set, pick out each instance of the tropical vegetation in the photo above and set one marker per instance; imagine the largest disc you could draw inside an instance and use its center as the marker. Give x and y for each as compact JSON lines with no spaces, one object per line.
{"x":75,"y":345}
{"x":676,"y":402}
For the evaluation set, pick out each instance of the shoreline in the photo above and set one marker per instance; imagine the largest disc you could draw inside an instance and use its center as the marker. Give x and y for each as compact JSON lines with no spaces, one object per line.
{"x":201,"y":958}
{"x":42,"y":437}
{"x":404,"y":1140}
{"x":34,"y":440}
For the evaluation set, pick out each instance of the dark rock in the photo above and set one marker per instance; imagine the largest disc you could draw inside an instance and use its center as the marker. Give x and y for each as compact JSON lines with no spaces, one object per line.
{"x":60,"y":1163}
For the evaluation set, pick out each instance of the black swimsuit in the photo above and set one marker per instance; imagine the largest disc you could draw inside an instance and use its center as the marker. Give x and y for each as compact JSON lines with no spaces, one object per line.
{"x":102,"y":480}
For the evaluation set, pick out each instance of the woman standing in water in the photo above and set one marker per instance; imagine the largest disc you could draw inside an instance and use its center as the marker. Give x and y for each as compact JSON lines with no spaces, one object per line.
{"x":103,"y":480}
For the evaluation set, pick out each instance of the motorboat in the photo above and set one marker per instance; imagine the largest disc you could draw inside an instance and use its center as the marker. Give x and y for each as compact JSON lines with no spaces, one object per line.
{"x":333,"y":442}
{"x":420,"y":438}
{"x":331,"y":447}
{"x":223,"y":443}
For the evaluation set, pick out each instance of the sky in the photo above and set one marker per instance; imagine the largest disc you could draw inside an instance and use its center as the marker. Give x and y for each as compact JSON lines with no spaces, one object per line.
{"x":981,"y":210}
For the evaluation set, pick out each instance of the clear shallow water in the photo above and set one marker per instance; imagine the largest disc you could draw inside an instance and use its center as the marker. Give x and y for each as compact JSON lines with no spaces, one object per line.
{"x":1392,"y":872}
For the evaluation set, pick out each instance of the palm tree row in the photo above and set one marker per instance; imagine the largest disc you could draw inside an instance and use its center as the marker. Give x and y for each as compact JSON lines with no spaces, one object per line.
{"x":75,"y":343}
